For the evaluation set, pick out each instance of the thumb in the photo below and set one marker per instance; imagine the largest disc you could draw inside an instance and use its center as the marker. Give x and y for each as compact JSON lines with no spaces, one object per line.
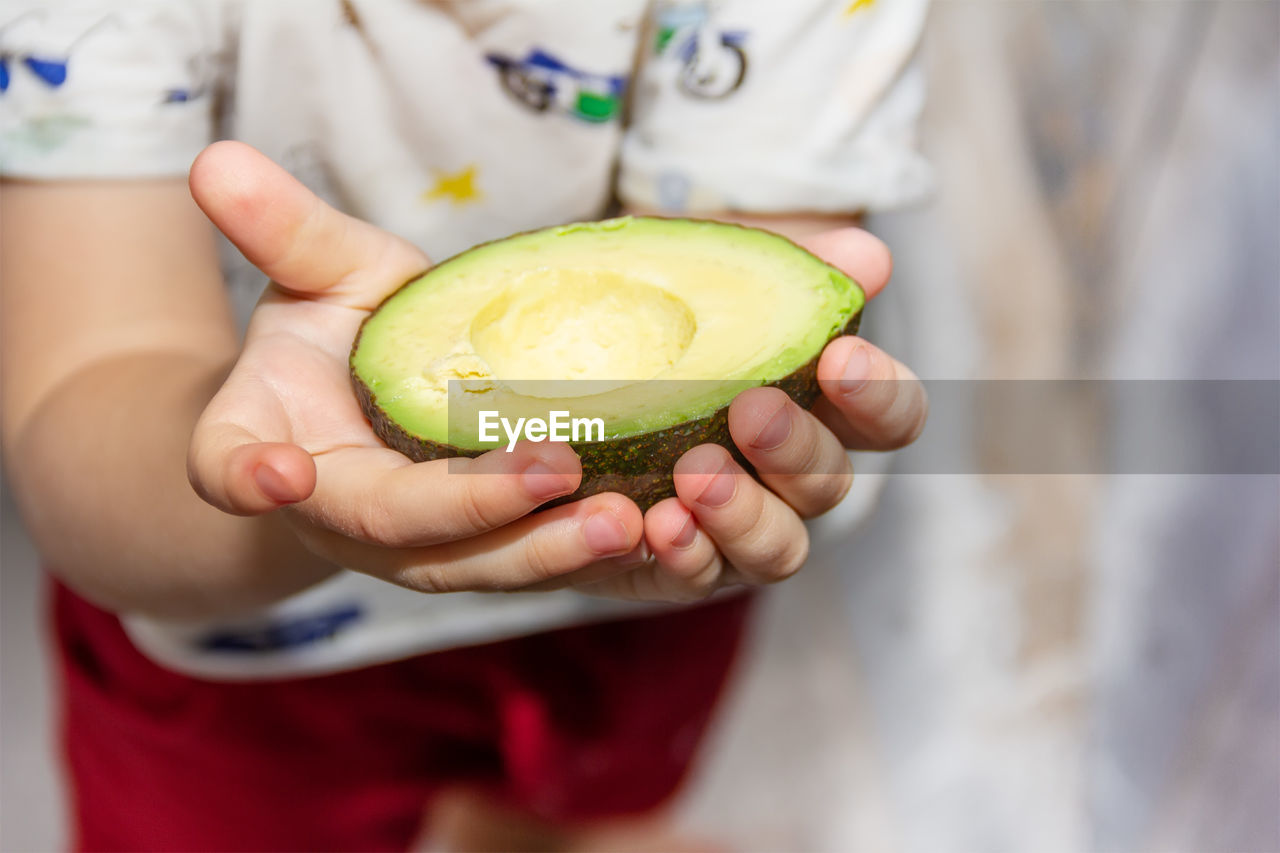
{"x":286,"y":231}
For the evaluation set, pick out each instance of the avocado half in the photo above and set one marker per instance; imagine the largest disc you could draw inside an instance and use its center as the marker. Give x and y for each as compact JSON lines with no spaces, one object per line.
{"x":642,"y":329}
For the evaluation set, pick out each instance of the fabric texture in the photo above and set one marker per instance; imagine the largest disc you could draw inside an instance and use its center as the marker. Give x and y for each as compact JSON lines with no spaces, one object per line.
{"x":98,"y":90}
{"x":572,"y":725}
{"x":767,"y":107}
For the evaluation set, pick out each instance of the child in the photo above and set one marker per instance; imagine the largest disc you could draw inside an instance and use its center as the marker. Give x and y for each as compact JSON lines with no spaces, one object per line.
{"x":226,"y":684}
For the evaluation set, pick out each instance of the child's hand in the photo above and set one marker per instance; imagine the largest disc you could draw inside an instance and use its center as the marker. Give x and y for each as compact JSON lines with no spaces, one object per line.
{"x":285,"y":429}
{"x":724,"y":527}
{"x":285,"y":432}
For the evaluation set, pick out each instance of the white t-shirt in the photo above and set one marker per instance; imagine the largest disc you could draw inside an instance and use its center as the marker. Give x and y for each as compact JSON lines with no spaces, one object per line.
{"x":452,"y":123}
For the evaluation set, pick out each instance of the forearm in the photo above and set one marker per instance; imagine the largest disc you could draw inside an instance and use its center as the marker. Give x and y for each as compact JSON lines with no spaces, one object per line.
{"x":116,"y":332}
{"x":99,"y":474}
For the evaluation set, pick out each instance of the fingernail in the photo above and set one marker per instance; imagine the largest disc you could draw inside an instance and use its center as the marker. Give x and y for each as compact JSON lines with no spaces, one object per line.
{"x":776,"y":431}
{"x":605,"y":534}
{"x":273,"y":484}
{"x":637,"y":556}
{"x":857,"y":370}
{"x":685,"y":538}
{"x":543,"y":482}
{"x":721,"y":488}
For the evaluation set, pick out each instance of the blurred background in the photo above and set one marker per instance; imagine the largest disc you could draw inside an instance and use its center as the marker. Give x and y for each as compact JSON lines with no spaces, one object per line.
{"x":1003,"y":661}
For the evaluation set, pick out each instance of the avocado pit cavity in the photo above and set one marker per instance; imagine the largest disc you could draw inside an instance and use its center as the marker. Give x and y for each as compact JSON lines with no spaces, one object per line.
{"x":597,"y":329}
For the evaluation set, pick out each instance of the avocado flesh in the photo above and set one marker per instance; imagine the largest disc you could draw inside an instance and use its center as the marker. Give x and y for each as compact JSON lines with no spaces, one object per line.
{"x":652,"y":325}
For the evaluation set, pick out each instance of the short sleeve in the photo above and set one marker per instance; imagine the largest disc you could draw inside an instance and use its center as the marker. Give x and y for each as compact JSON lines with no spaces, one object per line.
{"x":108,"y":89}
{"x":767,"y":107}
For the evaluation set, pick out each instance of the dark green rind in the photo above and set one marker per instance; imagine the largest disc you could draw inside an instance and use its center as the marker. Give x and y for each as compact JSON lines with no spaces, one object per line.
{"x":637,"y":466}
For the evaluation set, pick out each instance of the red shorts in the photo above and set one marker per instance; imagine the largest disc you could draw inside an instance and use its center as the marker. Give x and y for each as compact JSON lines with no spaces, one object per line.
{"x":573,"y":724}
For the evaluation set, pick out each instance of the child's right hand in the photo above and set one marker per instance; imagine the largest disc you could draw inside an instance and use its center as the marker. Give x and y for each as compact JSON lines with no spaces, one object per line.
{"x":285,"y":431}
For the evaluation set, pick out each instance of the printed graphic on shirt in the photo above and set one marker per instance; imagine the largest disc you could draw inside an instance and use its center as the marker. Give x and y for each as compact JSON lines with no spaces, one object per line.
{"x":673,"y":190}
{"x":45,"y":133}
{"x":200,"y":75}
{"x":545,"y":83}
{"x":458,"y":187}
{"x":283,"y":634}
{"x":49,"y":69}
{"x":52,"y":69}
{"x":713,"y":61}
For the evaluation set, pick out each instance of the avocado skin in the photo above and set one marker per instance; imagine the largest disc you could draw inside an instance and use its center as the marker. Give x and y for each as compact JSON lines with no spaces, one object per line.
{"x":637,"y":466}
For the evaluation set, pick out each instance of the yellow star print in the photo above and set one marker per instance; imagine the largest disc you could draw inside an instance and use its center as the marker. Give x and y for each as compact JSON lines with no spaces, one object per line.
{"x":458,"y":187}
{"x":857,"y":6}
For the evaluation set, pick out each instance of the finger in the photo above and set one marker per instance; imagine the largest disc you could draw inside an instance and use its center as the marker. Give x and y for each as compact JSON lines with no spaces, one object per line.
{"x":687,"y":565}
{"x":859,"y":254}
{"x":295,"y":238}
{"x":231,"y":469}
{"x":675,"y":562}
{"x":797,"y":457}
{"x":758,"y":534}
{"x":529,"y":551}
{"x":379,"y":497}
{"x":599,"y":572}
{"x":871,"y":401}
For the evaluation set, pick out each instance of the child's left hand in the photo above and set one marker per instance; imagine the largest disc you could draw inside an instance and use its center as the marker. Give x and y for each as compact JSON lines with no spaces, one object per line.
{"x":725,"y":527}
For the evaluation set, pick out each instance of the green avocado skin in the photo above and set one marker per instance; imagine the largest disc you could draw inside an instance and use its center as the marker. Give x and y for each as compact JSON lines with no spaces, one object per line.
{"x":637,"y":466}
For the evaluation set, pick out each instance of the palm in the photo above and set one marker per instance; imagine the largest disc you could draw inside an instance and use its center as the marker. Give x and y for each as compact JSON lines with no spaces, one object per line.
{"x":292,"y":381}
